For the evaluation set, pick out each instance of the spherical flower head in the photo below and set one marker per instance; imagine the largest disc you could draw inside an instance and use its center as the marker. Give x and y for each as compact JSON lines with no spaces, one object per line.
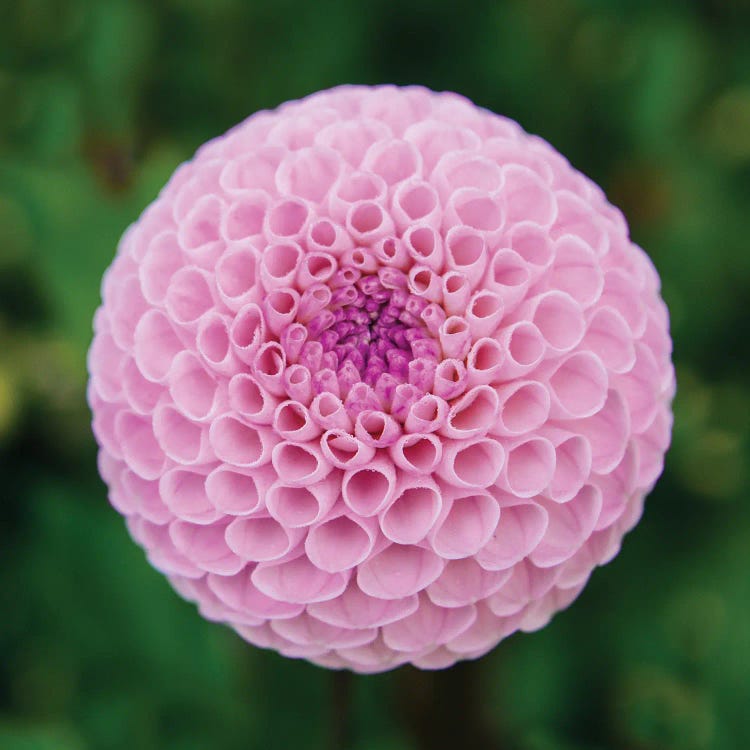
{"x":380,"y":378}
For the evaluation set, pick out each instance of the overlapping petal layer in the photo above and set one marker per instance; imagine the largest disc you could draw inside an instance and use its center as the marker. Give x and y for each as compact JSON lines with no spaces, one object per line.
{"x":380,"y":378}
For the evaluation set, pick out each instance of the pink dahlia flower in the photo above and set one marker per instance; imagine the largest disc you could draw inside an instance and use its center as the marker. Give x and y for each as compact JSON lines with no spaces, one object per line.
{"x":380,"y":378}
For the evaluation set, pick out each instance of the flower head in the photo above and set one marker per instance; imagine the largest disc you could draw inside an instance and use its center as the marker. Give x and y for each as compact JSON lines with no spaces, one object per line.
{"x":380,"y":378}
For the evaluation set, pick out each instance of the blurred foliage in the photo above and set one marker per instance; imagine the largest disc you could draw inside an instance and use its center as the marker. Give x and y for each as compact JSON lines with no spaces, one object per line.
{"x":99,"y":101}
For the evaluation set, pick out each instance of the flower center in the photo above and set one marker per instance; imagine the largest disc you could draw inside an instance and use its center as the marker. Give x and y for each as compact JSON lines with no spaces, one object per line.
{"x":377,"y":329}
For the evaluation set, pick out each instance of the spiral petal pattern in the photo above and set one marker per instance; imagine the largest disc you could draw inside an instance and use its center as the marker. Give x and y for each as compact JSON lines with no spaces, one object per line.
{"x":379,"y":378}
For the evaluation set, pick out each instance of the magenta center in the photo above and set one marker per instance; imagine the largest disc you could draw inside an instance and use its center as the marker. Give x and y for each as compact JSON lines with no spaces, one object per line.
{"x":377,"y":329}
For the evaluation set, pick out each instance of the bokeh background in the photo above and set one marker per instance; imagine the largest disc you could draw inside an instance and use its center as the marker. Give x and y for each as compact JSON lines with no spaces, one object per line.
{"x":99,"y":102}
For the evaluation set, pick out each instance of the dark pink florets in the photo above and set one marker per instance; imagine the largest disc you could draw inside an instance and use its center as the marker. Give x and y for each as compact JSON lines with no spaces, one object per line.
{"x":379,"y":378}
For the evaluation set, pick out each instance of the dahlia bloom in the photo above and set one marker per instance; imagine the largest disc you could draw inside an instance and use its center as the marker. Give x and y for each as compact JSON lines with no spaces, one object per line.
{"x":380,"y":378}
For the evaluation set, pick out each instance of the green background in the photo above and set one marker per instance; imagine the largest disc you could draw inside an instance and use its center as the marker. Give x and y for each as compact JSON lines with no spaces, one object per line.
{"x":100,"y":101}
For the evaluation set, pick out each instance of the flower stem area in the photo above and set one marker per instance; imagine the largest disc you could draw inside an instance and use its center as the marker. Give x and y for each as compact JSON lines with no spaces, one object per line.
{"x":439,"y":710}
{"x":446,"y":709}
